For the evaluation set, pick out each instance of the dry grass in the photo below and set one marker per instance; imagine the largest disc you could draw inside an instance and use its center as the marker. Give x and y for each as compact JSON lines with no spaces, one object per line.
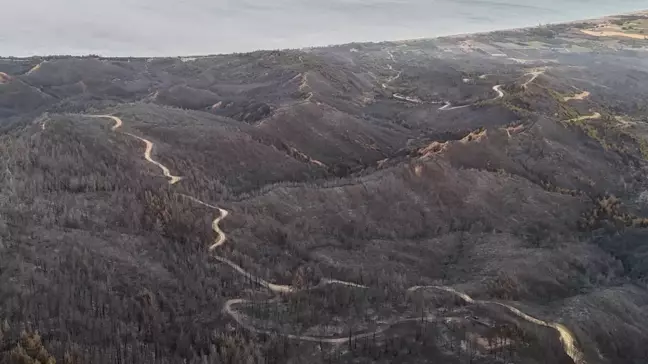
{"x":613,"y":33}
{"x":581,"y":96}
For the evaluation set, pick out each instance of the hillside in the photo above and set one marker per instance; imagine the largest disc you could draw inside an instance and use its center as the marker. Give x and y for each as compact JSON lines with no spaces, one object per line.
{"x":470,"y":199}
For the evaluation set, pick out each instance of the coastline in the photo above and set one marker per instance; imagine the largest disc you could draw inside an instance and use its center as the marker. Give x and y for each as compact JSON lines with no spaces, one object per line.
{"x":596,"y":21}
{"x":481,"y":187}
{"x":591,"y":21}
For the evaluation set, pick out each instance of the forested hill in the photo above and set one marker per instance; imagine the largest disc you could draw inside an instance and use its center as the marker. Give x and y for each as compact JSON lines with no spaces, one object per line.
{"x":470,"y":199}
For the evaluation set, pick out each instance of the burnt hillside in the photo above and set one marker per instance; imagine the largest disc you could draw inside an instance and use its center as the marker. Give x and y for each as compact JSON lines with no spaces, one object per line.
{"x":411,"y":202}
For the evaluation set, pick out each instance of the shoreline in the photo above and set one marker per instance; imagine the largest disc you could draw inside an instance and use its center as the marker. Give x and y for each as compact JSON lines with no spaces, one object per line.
{"x":596,"y":20}
{"x":571,"y":22}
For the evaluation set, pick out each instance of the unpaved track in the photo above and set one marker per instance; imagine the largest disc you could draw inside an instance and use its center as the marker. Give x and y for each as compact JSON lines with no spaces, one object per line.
{"x":498,"y":89}
{"x":566,"y":337}
{"x":147,"y":155}
{"x":318,"y":339}
{"x":612,"y":33}
{"x":581,"y":96}
{"x":220,"y":240}
{"x":118,"y":121}
{"x":35,"y":68}
{"x":391,"y":79}
{"x":221,"y":237}
{"x":594,"y":116}
{"x":448,"y":106}
{"x":147,"y":152}
{"x":534,"y":74}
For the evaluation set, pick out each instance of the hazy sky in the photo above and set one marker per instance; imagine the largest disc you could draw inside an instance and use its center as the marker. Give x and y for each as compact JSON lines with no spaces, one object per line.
{"x":184,"y":27}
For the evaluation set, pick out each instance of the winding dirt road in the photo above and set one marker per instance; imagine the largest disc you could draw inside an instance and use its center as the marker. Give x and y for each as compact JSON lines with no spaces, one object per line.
{"x":581,"y":96}
{"x":534,"y":74}
{"x":391,"y":79}
{"x":448,"y":106}
{"x":498,"y":89}
{"x":567,"y":339}
{"x":147,"y":152}
{"x":594,"y":116}
{"x":35,"y":68}
{"x":221,"y":237}
{"x":147,"y":155}
{"x":318,"y":339}
{"x":118,"y":121}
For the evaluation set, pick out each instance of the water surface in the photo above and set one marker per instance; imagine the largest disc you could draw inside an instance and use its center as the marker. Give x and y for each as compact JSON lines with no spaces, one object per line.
{"x":182,"y":27}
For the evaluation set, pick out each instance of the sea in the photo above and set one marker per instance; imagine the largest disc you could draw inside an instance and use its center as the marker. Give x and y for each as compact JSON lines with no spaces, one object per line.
{"x":199,"y":27}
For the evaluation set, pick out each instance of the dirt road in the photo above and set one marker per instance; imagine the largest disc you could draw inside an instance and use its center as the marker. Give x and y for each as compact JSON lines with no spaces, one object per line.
{"x":534,"y":74}
{"x":567,"y":339}
{"x":147,"y":155}
{"x":147,"y":152}
{"x":581,"y":96}
{"x":35,"y":68}
{"x":612,"y":33}
{"x":318,"y":339}
{"x":118,"y":121}
{"x":448,"y":106}
{"x":594,"y":116}
{"x":498,"y":89}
